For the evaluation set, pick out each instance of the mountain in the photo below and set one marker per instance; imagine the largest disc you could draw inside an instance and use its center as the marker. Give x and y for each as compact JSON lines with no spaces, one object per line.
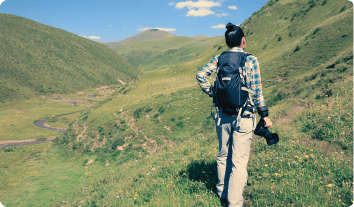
{"x":150,"y":34}
{"x":167,"y":52}
{"x":199,"y":37}
{"x":39,"y":59}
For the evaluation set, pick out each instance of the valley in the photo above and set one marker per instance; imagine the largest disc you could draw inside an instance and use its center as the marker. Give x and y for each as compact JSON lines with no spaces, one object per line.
{"x":149,"y":140}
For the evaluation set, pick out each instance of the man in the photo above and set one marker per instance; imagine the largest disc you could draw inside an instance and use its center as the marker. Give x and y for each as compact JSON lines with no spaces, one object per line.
{"x":234,"y":125}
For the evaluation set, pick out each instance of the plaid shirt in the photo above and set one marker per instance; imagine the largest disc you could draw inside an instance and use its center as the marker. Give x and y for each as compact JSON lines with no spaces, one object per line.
{"x":253,"y":74}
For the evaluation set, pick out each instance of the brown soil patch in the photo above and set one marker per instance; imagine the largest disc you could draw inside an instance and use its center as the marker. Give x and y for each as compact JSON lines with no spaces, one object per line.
{"x":47,"y":125}
{"x":120,"y":81}
{"x":89,"y":162}
{"x":50,"y":138}
{"x":167,"y":128}
{"x":82,"y":133}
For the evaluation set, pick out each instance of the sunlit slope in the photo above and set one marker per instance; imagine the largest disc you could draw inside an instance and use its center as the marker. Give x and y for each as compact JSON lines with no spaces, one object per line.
{"x":164,"y":120}
{"x":39,"y":59}
{"x":151,"y":34}
{"x":157,"y":54}
{"x":291,"y":38}
{"x":297,"y":81}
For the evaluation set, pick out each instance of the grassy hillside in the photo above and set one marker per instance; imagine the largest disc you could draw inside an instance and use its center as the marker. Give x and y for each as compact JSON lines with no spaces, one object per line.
{"x":159,"y":138}
{"x":151,"y":34}
{"x":157,"y":54}
{"x":38,"y":59}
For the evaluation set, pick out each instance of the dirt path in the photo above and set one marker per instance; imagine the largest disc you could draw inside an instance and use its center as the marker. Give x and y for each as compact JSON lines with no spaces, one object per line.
{"x":15,"y":143}
{"x":281,"y":122}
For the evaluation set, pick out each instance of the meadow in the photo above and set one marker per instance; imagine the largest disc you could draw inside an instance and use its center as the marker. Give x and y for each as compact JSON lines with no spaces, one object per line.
{"x":153,"y":141}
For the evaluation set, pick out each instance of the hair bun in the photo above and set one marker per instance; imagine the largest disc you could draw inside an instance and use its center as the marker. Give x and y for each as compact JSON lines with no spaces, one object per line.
{"x":230,"y":27}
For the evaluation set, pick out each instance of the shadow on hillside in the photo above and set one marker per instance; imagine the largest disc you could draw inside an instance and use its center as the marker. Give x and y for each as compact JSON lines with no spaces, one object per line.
{"x":201,"y":173}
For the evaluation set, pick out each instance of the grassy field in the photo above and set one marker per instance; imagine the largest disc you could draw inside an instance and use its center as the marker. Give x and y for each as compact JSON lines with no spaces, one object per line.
{"x":18,"y":117}
{"x":40,"y":173}
{"x":154,"y":143}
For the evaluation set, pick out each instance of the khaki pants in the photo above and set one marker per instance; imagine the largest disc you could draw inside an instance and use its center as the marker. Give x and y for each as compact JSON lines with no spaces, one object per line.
{"x":234,"y":150}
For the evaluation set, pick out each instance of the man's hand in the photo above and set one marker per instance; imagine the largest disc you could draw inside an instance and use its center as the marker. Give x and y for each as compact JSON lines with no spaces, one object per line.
{"x":268,"y":122}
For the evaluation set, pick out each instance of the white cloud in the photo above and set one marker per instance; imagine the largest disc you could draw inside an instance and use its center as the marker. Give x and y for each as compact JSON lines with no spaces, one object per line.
{"x":200,"y":8}
{"x":171,"y":4}
{"x":232,"y":7}
{"x":1,"y":1}
{"x":91,"y":37}
{"x":220,"y":26}
{"x":222,"y":15}
{"x":198,"y":4}
{"x":162,"y":29}
{"x":199,"y":13}
{"x":94,"y":37}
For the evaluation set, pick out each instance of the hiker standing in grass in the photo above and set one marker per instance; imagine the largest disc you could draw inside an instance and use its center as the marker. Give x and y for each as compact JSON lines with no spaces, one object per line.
{"x":237,"y":90}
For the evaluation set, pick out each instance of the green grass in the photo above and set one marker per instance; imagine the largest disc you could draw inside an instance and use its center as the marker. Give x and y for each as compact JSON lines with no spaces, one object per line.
{"x":37,"y":60}
{"x":168,"y":52}
{"x":40,"y":173}
{"x":159,"y":138}
{"x":19,"y":124}
{"x":18,"y":117}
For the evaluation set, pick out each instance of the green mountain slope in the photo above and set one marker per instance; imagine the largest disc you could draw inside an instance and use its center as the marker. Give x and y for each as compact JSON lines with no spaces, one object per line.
{"x":151,"y":34}
{"x":157,"y":54}
{"x":38,"y":59}
{"x":159,"y":137}
{"x":293,"y":38}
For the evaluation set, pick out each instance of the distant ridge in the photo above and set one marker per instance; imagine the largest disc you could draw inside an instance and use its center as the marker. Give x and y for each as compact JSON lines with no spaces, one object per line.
{"x":151,"y":34}
{"x":197,"y":37}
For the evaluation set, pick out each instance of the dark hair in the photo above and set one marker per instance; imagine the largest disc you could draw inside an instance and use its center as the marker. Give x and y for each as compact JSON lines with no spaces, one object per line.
{"x":233,"y":35}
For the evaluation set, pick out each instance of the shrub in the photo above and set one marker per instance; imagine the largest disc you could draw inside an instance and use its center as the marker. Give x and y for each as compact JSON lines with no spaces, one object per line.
{"x":316,"y":30}
{"x":118,"y":141}
{"x":343,"y":9}
{"x":138,"y":112}
{"x":297,"y":48}
{"x":180,"y":124}
{"x":85,"y":161}
{"x":8,"y":149}
{"x":162,"y":110}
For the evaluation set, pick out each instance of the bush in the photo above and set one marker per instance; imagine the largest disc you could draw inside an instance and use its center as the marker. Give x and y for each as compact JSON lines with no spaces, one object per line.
{"x":8,"y":149}
{"x":138,"y":112}
{"x":118,"y":141}
{"x":316,"y":30}
{"x":180,"y":124}
{"x":343,"y":9}
{"x":297,"y":48}
{"x":162,"y":110}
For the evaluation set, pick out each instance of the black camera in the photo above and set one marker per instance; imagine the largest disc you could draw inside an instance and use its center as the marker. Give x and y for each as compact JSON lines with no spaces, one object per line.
{"x":272,"y":138}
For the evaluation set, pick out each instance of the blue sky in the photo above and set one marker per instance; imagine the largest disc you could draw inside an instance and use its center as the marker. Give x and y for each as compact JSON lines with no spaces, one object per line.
{"x":115,"y":20}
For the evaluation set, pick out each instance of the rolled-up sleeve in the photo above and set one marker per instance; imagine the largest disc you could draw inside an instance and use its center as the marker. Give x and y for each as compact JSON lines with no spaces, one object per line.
{"x":206,"y":72}
{"x":255,"y":80}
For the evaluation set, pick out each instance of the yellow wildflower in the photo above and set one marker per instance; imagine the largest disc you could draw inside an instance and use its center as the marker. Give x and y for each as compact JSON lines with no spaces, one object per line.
{"x":306,"y":156}
{"x":329,"y":185}
{"x":265,"y":165}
